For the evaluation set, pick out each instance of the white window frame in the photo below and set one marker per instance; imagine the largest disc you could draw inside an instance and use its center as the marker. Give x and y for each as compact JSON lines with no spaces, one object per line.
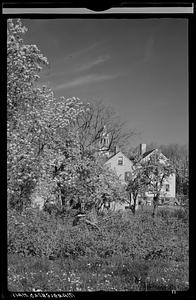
{"x":120,"y":158}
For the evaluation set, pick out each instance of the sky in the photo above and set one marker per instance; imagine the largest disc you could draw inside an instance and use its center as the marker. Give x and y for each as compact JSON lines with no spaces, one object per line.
{"x":138,"y":66}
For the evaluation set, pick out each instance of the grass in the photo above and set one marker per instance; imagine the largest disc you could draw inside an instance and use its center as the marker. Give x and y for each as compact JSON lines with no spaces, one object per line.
{"x":143,"y":254}
{"x":25,"y":275}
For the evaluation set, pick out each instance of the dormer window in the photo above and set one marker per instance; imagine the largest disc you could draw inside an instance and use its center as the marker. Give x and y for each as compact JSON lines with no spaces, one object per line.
{"x":120,"y":160}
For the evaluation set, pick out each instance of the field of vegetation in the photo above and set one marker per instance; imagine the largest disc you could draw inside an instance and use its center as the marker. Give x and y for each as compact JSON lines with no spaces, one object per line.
{"x":125,"y":252}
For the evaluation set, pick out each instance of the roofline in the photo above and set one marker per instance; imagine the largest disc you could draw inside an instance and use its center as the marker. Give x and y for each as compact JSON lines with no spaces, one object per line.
{"x":150,"y":152}
{"x":116,"y":154}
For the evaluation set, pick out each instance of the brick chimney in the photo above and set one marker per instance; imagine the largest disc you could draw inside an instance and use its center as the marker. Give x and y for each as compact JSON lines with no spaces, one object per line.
{"x":117,"y":149}
{"x":142,"y":149}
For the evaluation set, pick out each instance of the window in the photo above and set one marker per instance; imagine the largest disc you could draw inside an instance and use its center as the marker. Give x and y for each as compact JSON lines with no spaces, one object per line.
{"x":167,"y":187}
{"x":120,"y":160}
{"x":127,"y":176}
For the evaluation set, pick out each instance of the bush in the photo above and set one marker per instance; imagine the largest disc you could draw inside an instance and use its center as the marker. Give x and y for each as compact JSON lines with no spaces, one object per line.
{"x":138,"y":237}
{"x":131,"y":248}
{"x":31,"y":233}
{"x":181,"y":214}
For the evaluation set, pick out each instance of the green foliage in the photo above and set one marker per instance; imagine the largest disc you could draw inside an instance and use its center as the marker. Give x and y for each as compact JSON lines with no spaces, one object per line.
{"x":138,"y":237}
{"x":39,"y":125}
{"x":179,"y":156}
{"x":45,"y":158}
{"x":24,"y":62}
{"x":126,"y":253}
{"x":136,"y":185}
{"x":156,"y":170}
{"x":180,"y":213}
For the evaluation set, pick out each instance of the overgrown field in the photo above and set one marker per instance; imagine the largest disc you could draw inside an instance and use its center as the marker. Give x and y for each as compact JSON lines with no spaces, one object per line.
{"x":125,"y":252}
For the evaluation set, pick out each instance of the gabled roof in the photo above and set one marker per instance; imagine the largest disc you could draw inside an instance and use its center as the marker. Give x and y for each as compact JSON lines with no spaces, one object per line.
{"x":117,"y":154}
{"x":114,"y":155}
{"x":147,"y":153}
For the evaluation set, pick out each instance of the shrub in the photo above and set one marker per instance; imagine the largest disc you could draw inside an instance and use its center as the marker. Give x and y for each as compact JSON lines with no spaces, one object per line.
{"x":126,"y":253}
{"x":138,"y":237}
{"x":181,"y":214}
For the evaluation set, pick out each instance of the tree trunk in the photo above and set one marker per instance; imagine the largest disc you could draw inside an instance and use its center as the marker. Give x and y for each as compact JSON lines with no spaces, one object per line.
{"x":133,"y":207}
{"x":155,"y":205}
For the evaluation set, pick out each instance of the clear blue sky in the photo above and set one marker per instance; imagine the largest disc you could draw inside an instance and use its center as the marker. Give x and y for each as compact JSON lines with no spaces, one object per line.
{"x":138,"y":66}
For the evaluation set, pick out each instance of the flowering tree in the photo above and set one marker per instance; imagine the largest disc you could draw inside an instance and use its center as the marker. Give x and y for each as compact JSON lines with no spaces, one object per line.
{"x":178,"y":154}
{"x":136,"y":186}
{"x":24,"y":62}
{"x":83,"y":181}
{"x":36,"y":120}
{"x":155,"y":172}
{"x":44,"y":150}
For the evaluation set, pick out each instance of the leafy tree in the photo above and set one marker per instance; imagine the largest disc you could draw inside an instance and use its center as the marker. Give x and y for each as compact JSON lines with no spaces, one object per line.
{"x":45,"y":153}
{"x":156,"y":171}
{"x":83,"y":181}
{"x":136,"y":185}
{"x":24,"y":62}
{"x":37,"y":122}
{"x":178,"y":155}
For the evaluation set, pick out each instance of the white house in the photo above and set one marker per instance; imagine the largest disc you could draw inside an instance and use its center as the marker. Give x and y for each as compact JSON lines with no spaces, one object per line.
{"x":169,"y":186}
{"x":123,"y":167}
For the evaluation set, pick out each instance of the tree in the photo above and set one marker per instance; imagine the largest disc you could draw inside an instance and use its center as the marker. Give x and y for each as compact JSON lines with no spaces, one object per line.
{"x":83,"y":180}
{"x":91,"y":125}
{"x":156,"y":171}
{"x":136,"y":186}
{"x":178,"y":155}
{"x":45,"y":154}
{"x":37,"y":122}
{"x":24,"y":62}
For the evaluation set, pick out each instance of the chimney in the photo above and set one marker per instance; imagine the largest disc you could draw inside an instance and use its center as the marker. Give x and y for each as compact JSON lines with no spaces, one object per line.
{"x":142,"y":149}
{"x":117,"y":149}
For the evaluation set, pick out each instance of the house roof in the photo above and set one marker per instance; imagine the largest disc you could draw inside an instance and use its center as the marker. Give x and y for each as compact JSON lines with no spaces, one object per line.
{"x":118,"y":153}
{"x":147,"y":153}
{"x":162,"y":156}
{"x":143,"y":156}
{"x":114,"y":155}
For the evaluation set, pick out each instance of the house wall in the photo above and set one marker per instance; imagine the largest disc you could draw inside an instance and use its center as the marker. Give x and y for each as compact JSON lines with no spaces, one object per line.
{"x":172,"y":187}
{"x":172,"y":183}
{"x":120,"y":172}
{"x":120,"y":169}
{"x":171,"y":180}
